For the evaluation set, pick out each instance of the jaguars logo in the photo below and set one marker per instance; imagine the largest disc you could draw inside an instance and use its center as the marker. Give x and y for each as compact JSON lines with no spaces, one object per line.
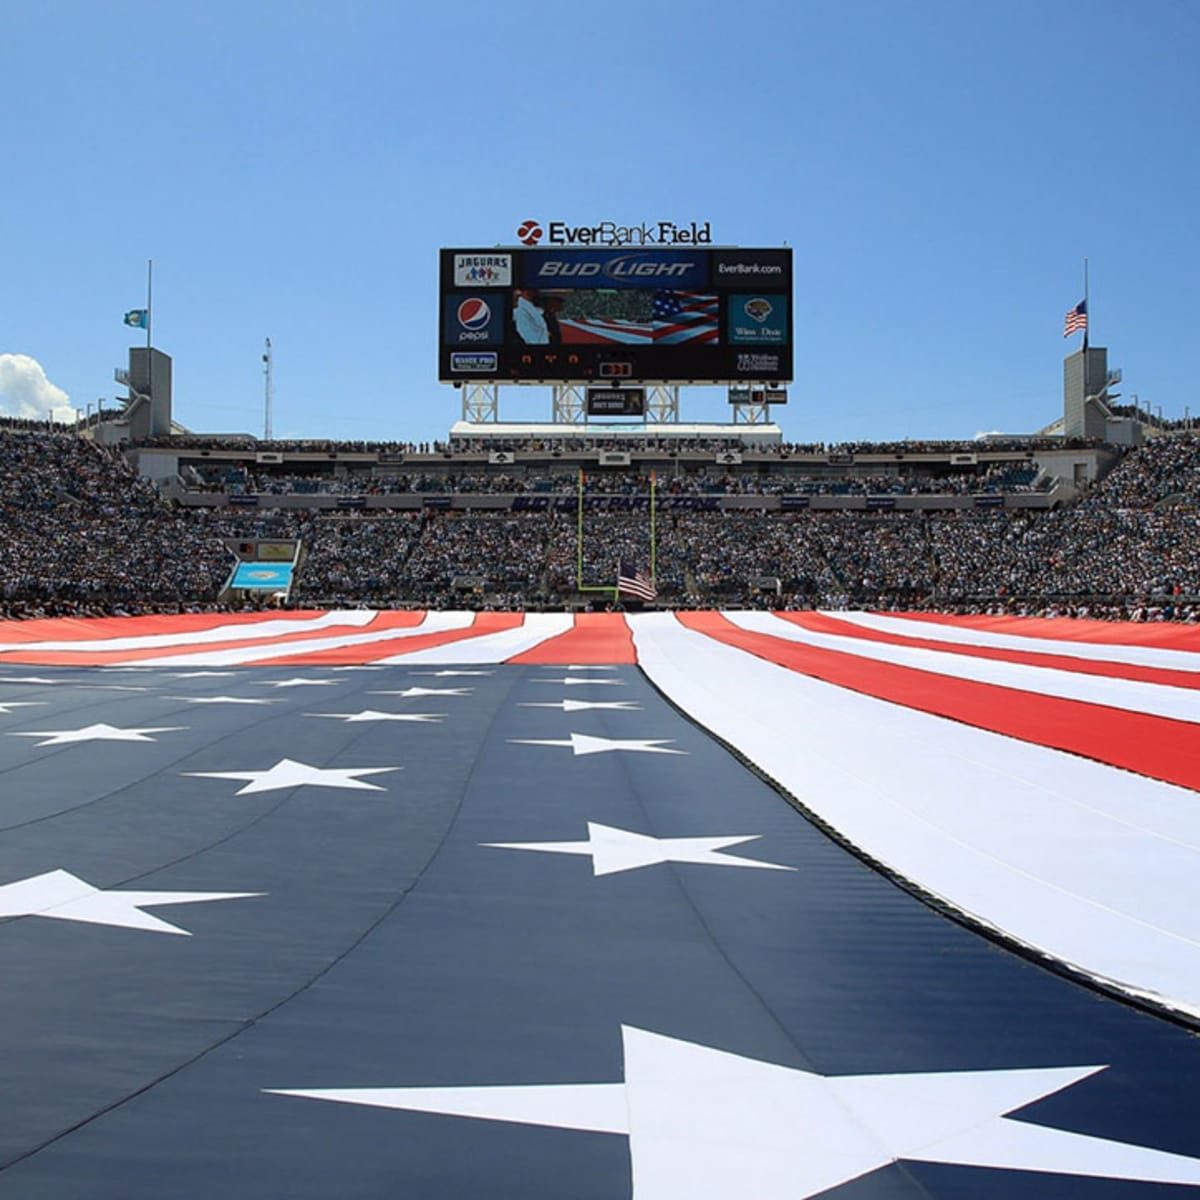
{"x":759,"y":309}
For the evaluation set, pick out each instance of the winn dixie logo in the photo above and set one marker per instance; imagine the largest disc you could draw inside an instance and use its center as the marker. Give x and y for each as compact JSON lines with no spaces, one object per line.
{"x":609,"y":233}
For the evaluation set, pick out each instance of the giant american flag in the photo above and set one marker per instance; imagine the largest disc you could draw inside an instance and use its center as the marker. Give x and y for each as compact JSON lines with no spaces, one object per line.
{"x":1038,"y":776}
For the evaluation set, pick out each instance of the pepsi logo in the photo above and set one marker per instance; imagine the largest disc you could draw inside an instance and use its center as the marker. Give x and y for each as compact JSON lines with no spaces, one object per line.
{"x":474,"y":313}
{"x":530,"y":232}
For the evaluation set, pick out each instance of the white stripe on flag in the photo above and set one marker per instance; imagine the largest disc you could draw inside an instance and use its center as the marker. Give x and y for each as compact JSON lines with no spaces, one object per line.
{"x":493,"y":647}
{"x":1160,"y":700}
{"x":199,"y":637}
{"x":1098,"y":867}
{"x":434,"y":623}
{"x":1142,"y":656}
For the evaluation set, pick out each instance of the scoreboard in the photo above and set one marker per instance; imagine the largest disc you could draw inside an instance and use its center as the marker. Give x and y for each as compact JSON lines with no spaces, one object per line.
{"x":611,"y":315}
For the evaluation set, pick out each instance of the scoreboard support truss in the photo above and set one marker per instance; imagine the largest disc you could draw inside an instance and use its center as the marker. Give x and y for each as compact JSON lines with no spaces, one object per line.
{"x":570,"y":403}
{"x":751,"y":414}
{"x":662,"y":403}
{"x":481,"y":402}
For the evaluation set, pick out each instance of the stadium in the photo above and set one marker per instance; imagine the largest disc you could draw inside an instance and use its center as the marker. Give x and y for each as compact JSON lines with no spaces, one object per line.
{"x":883,"y":755}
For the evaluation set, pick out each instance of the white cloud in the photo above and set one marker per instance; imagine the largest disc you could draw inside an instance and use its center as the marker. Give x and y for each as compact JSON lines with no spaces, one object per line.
{"x":26,"y":392}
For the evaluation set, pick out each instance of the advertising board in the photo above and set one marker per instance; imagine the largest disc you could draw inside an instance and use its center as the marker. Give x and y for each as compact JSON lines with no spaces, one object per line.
{"x":616,"y":402}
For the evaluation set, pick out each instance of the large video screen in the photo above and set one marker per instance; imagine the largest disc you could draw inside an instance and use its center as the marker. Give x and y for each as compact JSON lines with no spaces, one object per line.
{"x":608,"y":314}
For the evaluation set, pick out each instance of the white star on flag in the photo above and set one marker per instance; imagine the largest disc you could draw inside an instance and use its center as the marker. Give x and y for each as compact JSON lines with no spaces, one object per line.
{"x":369,"y":714}
{"x":586,"y":743}
{"x":62,"y":896}
{"x":289,"y":774}
{"x":6,"y":706}
{"x":79,"y":683}
{"x":96,"y":733}
{"x":612,"y":850}
{"x":220,"y":700}
{"x":424,"y":691}
{"x":31,"y":679}
{"x":708,"y":1124}
{"x":575,"y":681}
{"x":447,"y":673}
{"x":298,"y":682}
{"x":571,"y":706}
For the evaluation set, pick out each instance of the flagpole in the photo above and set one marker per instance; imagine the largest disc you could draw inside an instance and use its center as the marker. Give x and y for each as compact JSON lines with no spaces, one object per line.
{"x":1087,"y":308}
{"x":149,"y":350}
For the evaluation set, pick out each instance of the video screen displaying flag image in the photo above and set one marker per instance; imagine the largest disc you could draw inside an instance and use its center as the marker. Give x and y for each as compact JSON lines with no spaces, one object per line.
{"x":653,"y":314}
{"x":626,"y":317}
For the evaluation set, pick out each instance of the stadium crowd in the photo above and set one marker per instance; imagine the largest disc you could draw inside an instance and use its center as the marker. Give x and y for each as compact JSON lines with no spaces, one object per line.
{"x":80,"y":533}
{"x":569,"y":444}
{"x":239,"y":479}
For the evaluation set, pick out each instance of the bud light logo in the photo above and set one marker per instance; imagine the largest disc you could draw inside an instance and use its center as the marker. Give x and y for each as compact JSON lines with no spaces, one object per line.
{"x":529,"y":233}
{"x":474,"y":313}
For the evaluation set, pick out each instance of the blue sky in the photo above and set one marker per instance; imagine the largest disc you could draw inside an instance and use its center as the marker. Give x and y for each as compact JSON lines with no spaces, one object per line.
{"x":940,"y":169}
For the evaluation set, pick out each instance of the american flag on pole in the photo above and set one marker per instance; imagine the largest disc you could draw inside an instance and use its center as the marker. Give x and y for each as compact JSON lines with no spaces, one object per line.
{"x":1076,"y":319}
{"x":635,"y":582}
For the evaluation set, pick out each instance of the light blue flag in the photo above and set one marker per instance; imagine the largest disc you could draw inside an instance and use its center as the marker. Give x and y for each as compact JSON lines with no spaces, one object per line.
{"x":139,"y":318}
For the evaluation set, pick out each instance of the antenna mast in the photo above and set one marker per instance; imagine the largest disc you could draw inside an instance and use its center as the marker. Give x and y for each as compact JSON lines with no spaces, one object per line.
{"x":269,"y":392}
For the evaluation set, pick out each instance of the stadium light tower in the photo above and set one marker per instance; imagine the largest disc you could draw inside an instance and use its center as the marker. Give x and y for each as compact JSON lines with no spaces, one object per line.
{"x":268,"y":390}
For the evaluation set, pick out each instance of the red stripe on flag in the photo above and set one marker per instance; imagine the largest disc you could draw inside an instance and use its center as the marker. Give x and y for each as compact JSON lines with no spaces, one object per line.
{"x":820,"y":623}
{"x":596,"y":638}
{"x":85,"y":629}
{"x":484,"y":623}
{"x":1157,"y":747}
{"x":106,"y":658}
{"x":1163,"y":635}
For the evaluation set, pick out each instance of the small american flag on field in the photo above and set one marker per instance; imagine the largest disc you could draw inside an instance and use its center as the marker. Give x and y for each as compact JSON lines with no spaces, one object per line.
{"x":635,"y":582}
{"x":1076,"y":319}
